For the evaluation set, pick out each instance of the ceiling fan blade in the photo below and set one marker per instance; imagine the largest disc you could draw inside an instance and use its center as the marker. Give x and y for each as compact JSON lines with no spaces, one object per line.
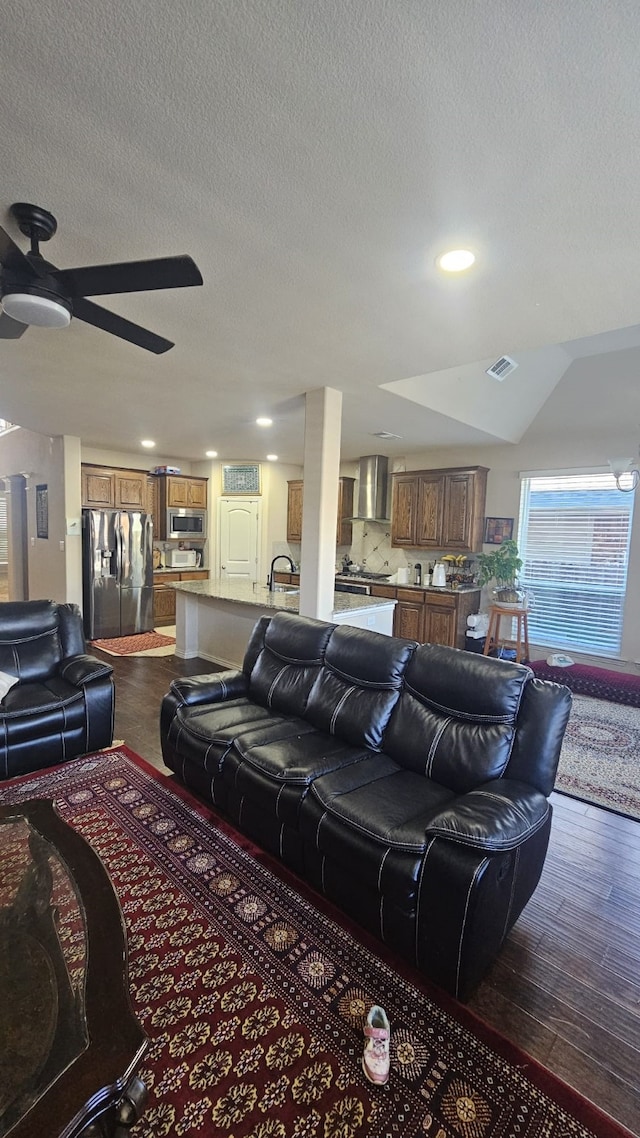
{"x":129,"y":276}
{"x":118,"y":326}
{"x":12,"y":258}
{"x":11,"y":329}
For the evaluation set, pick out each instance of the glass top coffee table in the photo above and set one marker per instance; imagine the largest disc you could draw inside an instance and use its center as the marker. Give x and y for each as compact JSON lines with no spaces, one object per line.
{"x":70,"y":1044}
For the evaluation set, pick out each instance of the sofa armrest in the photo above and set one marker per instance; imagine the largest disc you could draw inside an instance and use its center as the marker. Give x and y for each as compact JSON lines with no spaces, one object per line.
{"x":214,"y":688}
{"x":81,"y":670}
{"x":498,"y":816}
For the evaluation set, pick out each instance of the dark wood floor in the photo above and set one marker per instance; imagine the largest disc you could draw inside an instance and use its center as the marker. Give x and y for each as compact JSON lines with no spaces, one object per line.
{"x":566,"y":987}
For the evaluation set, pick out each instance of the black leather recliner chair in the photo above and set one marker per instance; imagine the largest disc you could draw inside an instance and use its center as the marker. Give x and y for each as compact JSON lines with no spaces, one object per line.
{"x":63,"y":703}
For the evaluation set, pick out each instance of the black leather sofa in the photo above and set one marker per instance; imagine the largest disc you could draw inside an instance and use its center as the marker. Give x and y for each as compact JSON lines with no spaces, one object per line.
{"x":63,"y":703}
{"x":407,"y":783}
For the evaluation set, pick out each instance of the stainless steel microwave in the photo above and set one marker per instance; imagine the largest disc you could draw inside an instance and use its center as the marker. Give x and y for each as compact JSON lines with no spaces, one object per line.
{"x":186,"y":523}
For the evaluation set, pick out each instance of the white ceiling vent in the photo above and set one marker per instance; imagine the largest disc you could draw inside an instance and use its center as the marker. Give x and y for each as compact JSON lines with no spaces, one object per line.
{"x":385,"y":435}
{"x":502,"y":368}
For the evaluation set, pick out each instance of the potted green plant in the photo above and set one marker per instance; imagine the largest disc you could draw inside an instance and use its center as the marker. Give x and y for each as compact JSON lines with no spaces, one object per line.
{"x":502,"y":565}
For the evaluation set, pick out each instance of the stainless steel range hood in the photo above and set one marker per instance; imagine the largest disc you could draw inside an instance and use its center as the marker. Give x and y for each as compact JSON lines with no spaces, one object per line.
{"x":374,"y":488}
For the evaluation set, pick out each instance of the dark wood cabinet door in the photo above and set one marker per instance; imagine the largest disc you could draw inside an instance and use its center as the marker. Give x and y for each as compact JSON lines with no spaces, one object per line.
{"x":440,"y":621}
{"x":408,"y":620}
{"x":458,"y":512}
{"x":294,"y":510}
{"x":164,"y":605}
{"x":431,"y":503}
{"x":464,"y":510}
{"x":345,"y":510}
{"x":404,"y":509}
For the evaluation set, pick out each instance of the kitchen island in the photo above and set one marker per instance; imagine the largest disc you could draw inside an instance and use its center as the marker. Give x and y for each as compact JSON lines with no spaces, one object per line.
{"x":214,"y":619}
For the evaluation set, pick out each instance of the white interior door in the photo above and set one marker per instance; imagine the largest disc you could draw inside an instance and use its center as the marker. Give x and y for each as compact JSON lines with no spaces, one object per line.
{"x":238,"y":544}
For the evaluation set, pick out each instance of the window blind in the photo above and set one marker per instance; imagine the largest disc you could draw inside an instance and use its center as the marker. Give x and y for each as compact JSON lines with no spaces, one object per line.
{"x":573,"y":537}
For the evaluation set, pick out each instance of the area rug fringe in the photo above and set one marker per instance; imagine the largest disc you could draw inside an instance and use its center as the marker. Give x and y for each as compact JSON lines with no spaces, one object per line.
{"x":253,"y":989}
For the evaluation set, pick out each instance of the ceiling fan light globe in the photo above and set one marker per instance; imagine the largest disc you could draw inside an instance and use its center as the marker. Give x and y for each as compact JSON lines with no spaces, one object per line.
{"x":43,"y":311}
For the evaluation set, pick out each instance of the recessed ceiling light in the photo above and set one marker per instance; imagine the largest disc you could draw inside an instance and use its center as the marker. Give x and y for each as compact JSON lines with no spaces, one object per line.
{"x":272,"y":458}
{"x":262,"y":422}
{"x":456,"y":260}
{"x":211,"y":453}
{"x":147,"y":443}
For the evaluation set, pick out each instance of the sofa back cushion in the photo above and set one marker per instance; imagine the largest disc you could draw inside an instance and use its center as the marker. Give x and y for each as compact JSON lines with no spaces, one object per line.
{"x":358,"y":685}
{"x":30,"y":645}
{"x":456,"y":719}
{"x":283,"y":659}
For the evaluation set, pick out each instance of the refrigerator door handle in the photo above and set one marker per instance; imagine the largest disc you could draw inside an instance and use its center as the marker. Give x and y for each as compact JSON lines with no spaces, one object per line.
{"x":119,"y":551}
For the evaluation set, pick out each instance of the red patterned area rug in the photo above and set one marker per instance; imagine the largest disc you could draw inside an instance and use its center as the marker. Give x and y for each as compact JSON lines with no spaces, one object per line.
{"x":253,"y":991}
{"x":601,"y":683}
{"x":140,"y":644}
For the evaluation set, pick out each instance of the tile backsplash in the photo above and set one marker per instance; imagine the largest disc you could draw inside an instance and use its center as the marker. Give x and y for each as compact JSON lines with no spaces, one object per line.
{"x":371,"y":547}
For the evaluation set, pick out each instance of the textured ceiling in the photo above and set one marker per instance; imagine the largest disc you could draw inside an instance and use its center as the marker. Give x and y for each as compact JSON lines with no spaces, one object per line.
{"x":314,"y":157}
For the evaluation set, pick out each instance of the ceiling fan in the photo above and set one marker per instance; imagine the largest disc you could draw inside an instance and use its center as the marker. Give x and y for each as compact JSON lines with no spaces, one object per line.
{"x":33,"y":291}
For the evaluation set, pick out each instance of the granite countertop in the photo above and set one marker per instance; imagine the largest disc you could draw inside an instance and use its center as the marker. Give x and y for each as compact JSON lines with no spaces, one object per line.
{"x":258,"y":596}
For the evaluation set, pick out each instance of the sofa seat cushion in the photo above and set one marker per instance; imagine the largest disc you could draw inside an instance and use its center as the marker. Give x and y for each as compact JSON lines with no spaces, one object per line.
{"x":203,"y":733}
{"x":300,"y":756}
{"x":41,"y":724}
{"x":373,"y":817}
{"x":29,"y":699}
{"x":277,"y":773}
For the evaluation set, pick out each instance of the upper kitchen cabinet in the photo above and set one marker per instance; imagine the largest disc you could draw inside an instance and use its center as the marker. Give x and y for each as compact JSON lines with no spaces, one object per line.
{"x":188,"y":492}
{"x":345,"y":510}
{"x":294,"y":510}
{"x":439,"y":509}
{"x":115,"y":489}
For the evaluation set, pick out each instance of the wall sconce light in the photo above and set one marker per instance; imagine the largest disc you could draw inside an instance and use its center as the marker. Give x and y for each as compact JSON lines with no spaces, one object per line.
{"x":622,"y":466}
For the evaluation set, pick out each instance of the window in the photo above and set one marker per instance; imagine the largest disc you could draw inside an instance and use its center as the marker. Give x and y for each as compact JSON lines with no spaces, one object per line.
{"x":573,"y":538}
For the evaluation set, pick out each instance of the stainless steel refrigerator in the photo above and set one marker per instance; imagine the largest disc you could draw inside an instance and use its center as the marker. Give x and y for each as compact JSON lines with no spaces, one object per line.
{"x":117,"y":583}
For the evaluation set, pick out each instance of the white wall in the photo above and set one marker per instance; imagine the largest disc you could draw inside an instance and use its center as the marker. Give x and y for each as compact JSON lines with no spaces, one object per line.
{"x":52,"y":572}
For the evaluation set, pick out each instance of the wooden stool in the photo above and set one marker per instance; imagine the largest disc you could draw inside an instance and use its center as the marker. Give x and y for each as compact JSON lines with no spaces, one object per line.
{"x":521,"y":641}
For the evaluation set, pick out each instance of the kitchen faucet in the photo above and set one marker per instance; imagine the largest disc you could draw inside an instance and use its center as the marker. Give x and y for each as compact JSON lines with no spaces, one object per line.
{"x":271,"y":582}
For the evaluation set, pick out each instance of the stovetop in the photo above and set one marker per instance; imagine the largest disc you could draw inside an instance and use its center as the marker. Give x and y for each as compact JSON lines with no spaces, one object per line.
{"x":362,"y":577}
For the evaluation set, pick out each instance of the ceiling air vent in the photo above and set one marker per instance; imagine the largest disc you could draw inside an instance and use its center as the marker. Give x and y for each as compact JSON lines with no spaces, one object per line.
{"x":502,"y":368}
{"x":385,"y":435}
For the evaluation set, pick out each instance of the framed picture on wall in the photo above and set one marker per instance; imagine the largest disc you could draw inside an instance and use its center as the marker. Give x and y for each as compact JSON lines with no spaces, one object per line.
{"x":497,"y":530}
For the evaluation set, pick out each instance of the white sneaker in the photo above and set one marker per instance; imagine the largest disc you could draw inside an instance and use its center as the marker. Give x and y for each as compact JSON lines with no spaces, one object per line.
{"x":375,"y":1061}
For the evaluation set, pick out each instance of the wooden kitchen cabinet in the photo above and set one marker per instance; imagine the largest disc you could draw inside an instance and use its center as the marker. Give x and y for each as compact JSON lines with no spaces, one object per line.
{"x":188,"y":492}
{"x":294,"y":510}
{"x":408,"y":616}
{"x":164,"y":596}
{"x":441,"y":621}
{"x":105,"y":488}
{"x":439,"y":509}
{"x":345,"y":510}
{"x":430,"y":616}
{"x":98,"y":488}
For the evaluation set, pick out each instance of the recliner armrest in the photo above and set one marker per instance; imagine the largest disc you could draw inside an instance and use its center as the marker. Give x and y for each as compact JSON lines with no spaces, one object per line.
{"x":213,"y":688}
{"x":81,"y":670}
{"x":498,"y":816}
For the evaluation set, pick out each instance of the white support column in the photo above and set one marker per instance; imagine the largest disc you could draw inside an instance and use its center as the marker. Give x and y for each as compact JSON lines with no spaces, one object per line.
{"x":323,"y":425}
